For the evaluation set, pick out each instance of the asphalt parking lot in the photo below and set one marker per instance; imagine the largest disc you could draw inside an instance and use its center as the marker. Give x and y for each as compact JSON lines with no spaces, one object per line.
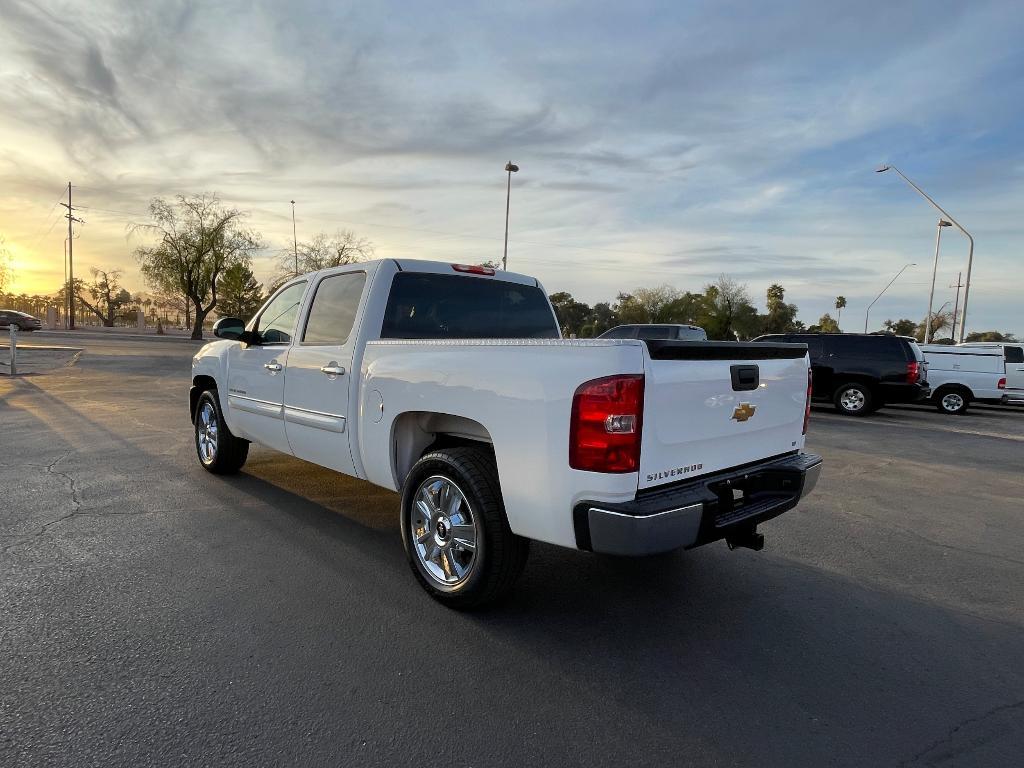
{"x":152,"y":614}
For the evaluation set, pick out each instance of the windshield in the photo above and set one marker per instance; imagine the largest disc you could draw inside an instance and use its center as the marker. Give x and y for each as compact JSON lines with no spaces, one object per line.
{"x":430,"y":306}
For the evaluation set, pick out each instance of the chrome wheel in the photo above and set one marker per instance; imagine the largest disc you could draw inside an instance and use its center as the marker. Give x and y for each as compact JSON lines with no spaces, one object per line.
{"x":852,"y":399}
{"x":206,"y":432}
{"x":443,"y":531}
{"x":952,"y":402}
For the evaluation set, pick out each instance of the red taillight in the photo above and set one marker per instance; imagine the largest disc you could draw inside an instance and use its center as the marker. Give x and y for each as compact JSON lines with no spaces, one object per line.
{"x":473,"y":269}
{"x":604,"y":434}
{"x":913,"y":372}
{"x":1002,"y":383}
{"x":807,"y":405}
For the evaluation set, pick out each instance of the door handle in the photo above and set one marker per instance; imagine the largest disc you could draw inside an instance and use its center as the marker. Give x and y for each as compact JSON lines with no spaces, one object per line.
{"x":272,"y":367}
{"x":333,"y":370}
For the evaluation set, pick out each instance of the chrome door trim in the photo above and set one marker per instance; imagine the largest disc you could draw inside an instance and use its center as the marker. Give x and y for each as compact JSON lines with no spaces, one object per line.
{"x":330,"y":422}
{"x":252,"y":405}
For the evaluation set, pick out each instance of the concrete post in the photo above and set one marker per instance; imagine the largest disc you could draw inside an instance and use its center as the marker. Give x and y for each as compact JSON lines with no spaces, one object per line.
{"x":14,"y":349}
{"x":140,"y":318}
{"x":51,"y":317}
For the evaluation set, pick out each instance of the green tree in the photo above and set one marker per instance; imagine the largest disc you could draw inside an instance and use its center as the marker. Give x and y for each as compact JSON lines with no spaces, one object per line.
{"x":602,"y":318}
{"x":781,"y":317}
{"x":240,"y":294}
{"x":903,"y":327}
{"x":990,"y":336}
{"x":826,"y":324}
{"x":107,"y":296}
{"x":572,"y":315}
{"x":728,"y":313}
{"x":197,"y":238}
{"x":840,"y":304}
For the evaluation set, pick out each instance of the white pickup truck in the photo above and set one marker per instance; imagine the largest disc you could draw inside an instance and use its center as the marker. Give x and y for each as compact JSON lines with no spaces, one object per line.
{"x":452,"y":384}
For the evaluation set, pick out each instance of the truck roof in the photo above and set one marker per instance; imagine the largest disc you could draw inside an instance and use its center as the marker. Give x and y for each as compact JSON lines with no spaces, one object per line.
{"x":448,"y":268}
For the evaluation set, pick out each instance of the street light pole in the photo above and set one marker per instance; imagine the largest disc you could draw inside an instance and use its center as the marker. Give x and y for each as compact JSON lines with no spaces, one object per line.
{"x":295,"y":241}
{"x":868,"y":311}
{"x":512,"y":168}
{"x":928,"y":335}
{"x":970,"y":239}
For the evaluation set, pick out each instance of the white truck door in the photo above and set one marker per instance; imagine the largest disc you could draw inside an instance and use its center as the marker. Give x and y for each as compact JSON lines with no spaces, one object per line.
{"x":256,"y":372}
{"x":320,"y":381}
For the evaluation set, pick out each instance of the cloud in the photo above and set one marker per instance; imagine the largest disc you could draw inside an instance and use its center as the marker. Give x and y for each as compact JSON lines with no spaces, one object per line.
{"x":672,"y":144}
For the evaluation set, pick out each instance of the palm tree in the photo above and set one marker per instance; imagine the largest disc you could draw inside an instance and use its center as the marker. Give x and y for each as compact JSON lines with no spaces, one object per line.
{"x":840,"y":303}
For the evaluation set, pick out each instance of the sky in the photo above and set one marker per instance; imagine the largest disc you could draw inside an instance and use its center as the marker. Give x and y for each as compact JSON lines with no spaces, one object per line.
{"x":657,"y":142}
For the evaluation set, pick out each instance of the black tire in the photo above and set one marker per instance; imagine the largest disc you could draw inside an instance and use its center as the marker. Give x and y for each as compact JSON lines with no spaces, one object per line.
{"x":229,"y":452}
{"x":952,"y":400}
{"x":499,"y":555}
{"x":854,"y":399}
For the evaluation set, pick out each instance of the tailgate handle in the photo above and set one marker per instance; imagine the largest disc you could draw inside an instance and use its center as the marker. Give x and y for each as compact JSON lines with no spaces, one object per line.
{"x":744,"y":377}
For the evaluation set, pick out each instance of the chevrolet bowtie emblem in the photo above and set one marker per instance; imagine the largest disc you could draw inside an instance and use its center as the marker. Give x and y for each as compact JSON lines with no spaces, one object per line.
{"x":744,"y":411}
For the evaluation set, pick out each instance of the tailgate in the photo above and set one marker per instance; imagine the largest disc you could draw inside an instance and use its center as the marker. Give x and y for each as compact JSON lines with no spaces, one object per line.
{"x":710,"y":406}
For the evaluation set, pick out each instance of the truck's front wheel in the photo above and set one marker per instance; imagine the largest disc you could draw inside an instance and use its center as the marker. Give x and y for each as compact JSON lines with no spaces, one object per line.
{"x":455,"y":531}
{"x":219,"y":451}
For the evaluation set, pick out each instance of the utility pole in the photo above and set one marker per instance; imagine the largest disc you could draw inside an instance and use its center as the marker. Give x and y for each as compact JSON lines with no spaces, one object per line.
{"x":956,"y":305}
{"x":69,"y":287}
{"x":295,"y":241}
{"x":511,"y":168}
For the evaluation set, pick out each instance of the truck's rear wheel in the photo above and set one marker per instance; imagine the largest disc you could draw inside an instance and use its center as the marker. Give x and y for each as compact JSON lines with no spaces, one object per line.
{"x":953,"y":400}
{"x":455,"y":531}
{"x":219,"y":451}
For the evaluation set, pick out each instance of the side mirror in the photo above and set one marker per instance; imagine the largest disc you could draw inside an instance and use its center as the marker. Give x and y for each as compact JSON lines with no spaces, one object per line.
{"x":229,"y":328}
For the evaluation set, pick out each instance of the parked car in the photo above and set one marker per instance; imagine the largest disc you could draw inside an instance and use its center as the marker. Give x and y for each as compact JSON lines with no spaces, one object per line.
{"x":451,"y":384}
{"x":860,"y":373}
{"x":23,"y":321}
{"x":656,"y":331}
{"x":960,"y":375}
{"x":1013,"y":362}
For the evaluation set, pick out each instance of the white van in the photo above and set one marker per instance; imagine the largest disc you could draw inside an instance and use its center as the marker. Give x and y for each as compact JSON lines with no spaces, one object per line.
{"x":960,"y":375}
{"x":1013,"y":360}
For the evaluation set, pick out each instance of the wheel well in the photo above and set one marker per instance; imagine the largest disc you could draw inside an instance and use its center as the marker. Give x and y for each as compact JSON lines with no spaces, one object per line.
{"x":200,"y":384}
{"x":416,"y":433}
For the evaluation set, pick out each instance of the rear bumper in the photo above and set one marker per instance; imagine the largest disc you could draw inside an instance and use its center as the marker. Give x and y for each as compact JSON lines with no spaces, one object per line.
{"x":715,"y":507}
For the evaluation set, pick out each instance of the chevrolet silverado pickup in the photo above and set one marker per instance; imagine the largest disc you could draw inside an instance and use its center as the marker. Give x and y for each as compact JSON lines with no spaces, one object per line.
{"x":451,"y":384}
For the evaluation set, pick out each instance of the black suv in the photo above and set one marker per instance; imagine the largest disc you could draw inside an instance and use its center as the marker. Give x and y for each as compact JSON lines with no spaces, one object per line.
{"x":860,"y":373}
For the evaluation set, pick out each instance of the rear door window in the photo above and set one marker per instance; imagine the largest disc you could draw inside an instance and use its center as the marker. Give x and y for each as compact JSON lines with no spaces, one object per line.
{"x":1014,"y":354}
{"x":333,"y":312}
{"x":432,"y":306}
{"x":869,"y":347}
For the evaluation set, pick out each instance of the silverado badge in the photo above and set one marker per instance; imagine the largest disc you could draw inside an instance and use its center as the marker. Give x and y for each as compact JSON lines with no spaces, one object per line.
{"x":743,"y":411}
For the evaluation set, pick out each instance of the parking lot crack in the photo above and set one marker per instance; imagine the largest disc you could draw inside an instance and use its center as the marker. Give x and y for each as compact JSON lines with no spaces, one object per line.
{"x":955,"y":731}
{"x":76,"y":501}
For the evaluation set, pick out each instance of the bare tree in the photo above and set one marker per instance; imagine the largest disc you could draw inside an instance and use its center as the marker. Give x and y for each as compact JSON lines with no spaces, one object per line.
{"x":106,"y":294}
{"x":196,"y":240}
{"x":322,"y":252}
